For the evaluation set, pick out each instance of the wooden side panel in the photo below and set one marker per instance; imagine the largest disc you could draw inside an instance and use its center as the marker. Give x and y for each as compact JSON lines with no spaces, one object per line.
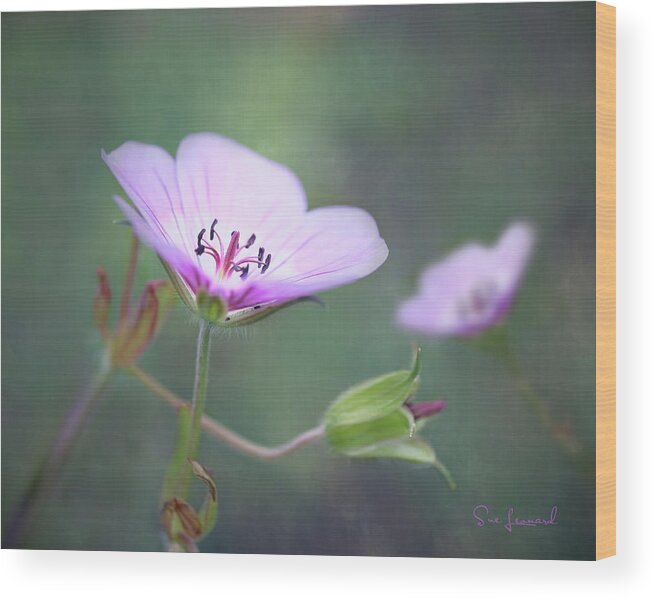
{"x":605,"y":281}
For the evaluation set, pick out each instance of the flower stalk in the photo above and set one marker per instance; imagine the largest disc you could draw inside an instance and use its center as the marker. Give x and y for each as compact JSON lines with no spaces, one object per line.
{"x":128,"y":283}
{"x":222,"y":433}
{"x":190,"y":424}
{"x":199,"y":387}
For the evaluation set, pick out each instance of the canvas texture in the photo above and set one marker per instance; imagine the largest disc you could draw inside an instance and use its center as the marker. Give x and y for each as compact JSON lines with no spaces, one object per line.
{"x":460,"y":139}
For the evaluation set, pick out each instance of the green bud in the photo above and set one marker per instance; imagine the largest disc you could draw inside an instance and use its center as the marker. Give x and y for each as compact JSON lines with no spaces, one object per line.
{"x":376,"y":419}
{"x":351,"y":439}
{"x":375,"y":398}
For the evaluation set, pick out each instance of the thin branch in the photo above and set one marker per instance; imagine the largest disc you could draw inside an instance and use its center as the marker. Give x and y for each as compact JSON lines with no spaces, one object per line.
{"x":129,"y":281}
{"x":222,"y":433}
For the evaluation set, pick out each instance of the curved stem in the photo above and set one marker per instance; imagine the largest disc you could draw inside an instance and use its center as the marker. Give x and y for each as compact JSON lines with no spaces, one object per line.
{"x":253,"y":449}
{"x":43,"y":482}
{"x":225,"y":435}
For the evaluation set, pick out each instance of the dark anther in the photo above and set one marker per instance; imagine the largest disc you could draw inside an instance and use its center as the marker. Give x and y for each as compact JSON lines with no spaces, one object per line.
{"x":257,"y":306}
{"x":244,"y":272}
{"x":251,"y":241}
{"x":267,"y":264}
{"x":260,"y":255}
{"x":200,"y":249}
{"x":211,"y":231}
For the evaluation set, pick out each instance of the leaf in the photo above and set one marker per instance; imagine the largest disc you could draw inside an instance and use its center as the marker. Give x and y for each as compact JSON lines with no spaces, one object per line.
{"x":376,"y":397}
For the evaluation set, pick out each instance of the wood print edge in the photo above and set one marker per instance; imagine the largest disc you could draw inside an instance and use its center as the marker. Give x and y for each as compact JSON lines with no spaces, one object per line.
{"x":605,"y":281}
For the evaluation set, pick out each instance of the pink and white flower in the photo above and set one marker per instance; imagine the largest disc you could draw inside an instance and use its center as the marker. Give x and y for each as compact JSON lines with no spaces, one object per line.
{"x":233,"y":225}
{"x":470,"y":290}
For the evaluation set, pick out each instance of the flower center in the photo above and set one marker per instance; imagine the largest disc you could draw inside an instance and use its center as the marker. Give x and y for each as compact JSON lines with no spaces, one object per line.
{"x":231,"y":258}
{"x":477,"y":302}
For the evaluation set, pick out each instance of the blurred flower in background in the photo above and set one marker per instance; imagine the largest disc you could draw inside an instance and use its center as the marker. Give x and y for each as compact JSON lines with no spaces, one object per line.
{"x":233,"y":228}
{"x":470,"y":290}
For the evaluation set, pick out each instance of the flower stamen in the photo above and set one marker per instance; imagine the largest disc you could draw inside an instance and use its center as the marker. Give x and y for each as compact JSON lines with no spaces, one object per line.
{"x":267,"y":263}
{"x":477,"y":302}
{"x":226,"y":259}
{"x":200,"y":248}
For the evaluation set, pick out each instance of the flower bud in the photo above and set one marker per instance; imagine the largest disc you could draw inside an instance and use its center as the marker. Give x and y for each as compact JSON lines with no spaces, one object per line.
{"x":375,"y":398}
{"x":423,"y":410}
{"x":178,"y":517}
{"x":134,"y":332}
{"x":378,"y":419}
{"x":136,"y":335}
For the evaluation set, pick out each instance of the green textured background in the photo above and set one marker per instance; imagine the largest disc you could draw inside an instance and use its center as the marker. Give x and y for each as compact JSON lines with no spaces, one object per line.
{"x":444,"y":122}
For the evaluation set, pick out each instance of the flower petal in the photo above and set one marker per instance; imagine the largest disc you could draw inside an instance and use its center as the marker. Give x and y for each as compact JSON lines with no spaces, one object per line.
{"x":331,"y":246}
{"x":458,"y":272}
{"x":512,"y":253}
{"x":187,"y":268}
{"x":220,"y":178}
{"x":147,"y":174}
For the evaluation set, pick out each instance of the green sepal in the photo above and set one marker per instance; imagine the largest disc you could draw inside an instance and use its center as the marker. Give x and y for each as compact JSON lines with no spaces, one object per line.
{"x":375,"y":398}
{"x":350,"y":439}
{"x":210,"y":308}
{"x":247,"y":316}
{"x":180,"y":287}
{"x":209,"y":509}
{"x":413,"y":450}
